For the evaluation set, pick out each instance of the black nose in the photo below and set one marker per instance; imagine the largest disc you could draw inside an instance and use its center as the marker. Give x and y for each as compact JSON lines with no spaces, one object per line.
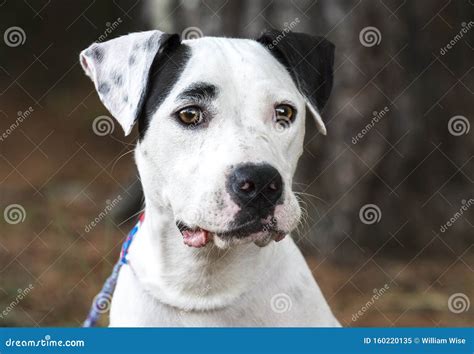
{"x":255,"y":186}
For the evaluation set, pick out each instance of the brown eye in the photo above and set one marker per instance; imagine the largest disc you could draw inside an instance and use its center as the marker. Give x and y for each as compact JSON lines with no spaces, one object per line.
{"x":190,"y":115}
{"x":284,"y":114}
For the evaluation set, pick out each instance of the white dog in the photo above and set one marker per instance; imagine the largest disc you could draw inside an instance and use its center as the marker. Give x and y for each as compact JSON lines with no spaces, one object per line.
{"x":221,"y":128}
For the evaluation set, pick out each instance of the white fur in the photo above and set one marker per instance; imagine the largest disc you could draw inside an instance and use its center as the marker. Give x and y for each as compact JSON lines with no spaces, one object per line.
{"x":169,"y":284}
{"x":183,"y":172}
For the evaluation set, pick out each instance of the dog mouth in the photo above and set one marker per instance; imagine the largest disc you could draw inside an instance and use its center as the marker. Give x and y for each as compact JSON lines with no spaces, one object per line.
{"x":261,"y":232}
{"x":194,"y":237}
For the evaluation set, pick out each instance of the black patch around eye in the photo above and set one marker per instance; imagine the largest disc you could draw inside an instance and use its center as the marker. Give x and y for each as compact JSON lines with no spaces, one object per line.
{"x":165,"y":71}
{"x":104,"y":88}
{"x":199,"y":91}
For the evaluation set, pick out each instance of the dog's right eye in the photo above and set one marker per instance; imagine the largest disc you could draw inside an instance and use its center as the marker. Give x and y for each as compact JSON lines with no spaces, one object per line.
{"x":284,"y":115}
{"x":190,"y":115}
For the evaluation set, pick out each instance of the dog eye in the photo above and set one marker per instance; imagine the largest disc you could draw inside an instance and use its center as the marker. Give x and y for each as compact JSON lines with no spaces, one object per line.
{"x":190,"y":115}
{"x":284,"y":114}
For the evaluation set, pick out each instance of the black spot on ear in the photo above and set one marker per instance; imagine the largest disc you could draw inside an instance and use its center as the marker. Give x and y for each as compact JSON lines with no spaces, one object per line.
{"x":149,"y":45}
{"x":117,"y":79}
{"x":132,"y":59}
{"x":98,"y":54}
{"x":165,"y":71}
{"x":308,"y":59}
{"x":104,"y":88}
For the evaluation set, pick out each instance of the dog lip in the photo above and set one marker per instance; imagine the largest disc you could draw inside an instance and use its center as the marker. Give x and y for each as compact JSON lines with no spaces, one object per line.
{"x":183,"y":226}
{"x":241,"y":231}
{"x":248,"y":228}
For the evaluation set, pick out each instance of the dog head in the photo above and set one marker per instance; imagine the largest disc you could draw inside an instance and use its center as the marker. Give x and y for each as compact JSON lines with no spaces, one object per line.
{"x":221,"y":124}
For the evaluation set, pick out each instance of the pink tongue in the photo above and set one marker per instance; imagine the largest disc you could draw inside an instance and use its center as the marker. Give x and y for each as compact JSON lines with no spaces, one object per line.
{"x":280,"y":236}
{"x":196,"y":238}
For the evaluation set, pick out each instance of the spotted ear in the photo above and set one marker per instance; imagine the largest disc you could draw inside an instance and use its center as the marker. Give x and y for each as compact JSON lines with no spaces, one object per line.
{"x":120,"y":69}
{"x":309,"y":60}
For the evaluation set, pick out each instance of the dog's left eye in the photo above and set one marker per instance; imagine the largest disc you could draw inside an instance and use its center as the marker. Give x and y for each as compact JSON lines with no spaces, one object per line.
{"x":190,"y":115}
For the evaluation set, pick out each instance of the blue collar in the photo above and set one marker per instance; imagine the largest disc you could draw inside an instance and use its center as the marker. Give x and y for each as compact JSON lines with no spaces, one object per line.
{"x":103,"y":299}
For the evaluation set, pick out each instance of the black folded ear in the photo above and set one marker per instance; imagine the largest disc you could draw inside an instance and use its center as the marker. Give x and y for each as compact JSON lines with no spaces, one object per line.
{"x":120,"y":71}
{"x":309,"y":60}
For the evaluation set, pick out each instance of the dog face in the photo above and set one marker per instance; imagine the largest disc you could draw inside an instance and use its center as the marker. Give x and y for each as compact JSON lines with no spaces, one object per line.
{"x":221,"y":125}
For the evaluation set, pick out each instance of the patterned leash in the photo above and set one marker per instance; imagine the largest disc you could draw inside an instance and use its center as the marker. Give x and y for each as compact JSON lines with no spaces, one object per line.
{"x":101,"y":302}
